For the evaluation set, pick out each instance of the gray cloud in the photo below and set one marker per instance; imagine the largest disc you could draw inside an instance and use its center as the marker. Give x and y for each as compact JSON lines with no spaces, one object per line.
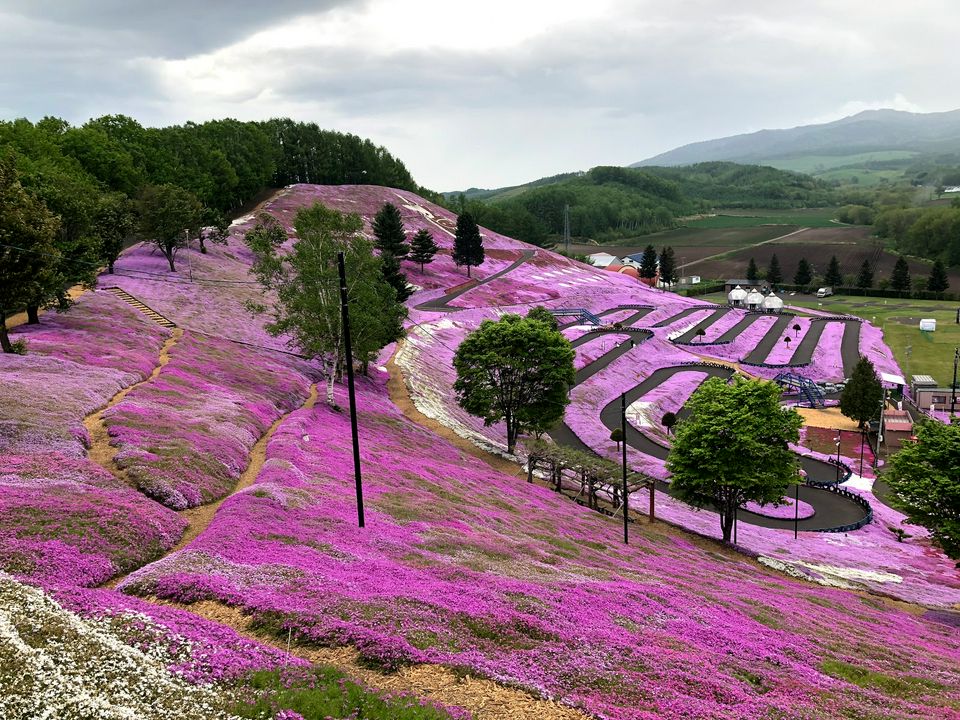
{"x":614,"y":89}
{"x":168,"y":28}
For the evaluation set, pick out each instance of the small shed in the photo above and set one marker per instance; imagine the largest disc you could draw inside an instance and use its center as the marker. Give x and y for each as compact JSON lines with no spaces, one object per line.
{"x":737,"y":297}
{"x":772,"y":303}
{"x":754,"y":300}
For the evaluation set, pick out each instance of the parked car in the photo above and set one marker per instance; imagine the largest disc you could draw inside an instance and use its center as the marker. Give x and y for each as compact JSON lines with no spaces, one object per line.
{"x":824,"y":292}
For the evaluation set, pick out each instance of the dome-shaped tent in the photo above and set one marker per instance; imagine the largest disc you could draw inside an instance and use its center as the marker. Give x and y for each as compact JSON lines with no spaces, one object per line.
{"x":771,"y":303}
{"x":628,"y":270}
{"x":754,"y":299}
{"x":737,"y":296}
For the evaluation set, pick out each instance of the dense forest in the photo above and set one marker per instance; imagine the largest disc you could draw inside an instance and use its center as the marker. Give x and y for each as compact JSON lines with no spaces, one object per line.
{"x":71,"y":197}
{"x":606,"y":203}
{"x":932,"y":233}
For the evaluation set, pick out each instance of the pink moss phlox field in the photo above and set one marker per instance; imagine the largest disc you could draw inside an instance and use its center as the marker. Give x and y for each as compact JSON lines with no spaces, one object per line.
{"x":782,"y":352}
{"x":719,"y":327}
{"x":742,"y":345}
{"x":184,"y":436}
{"x":66,"y":521}
{"x":75,"y":363}
{"x":784,"y":510}
{"x":200,"y":650}
{"x":596,"y":347}
{"x":873,"y":347}
{"x":463,"y":566}
{"x":99,"y":331}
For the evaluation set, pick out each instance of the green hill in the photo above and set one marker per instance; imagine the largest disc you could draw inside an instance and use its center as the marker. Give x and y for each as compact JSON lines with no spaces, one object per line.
{"x":606,"y":202}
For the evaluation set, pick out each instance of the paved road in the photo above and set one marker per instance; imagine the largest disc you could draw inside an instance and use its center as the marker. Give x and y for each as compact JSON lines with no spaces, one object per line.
{"x":831,"y":510}
{"x":441,"y":304}
{"x":690,"y":336}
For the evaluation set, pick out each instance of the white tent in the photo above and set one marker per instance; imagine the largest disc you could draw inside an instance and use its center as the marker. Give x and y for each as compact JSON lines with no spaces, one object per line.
{"x":754,"y":299}
{"x":736,"y":296}
{"x":771,"y":303}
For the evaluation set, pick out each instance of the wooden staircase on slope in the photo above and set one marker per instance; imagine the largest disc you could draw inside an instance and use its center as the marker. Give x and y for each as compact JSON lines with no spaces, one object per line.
{"x":148,"y":311}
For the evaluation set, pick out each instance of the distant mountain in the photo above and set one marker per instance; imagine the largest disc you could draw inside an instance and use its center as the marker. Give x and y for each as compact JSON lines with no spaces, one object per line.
{"x":888,"y":134}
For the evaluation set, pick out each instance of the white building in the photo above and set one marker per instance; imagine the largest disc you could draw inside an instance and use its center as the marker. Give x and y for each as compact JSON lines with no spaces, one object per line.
{"x":754,"y":299}
{"x":737,"y":297}
{"x":771,"y":303}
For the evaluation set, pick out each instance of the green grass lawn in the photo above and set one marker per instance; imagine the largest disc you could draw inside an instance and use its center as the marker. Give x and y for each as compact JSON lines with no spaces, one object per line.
{"x":817,"y":164}
{"x":930,"y":353}
{"x":813,"y":217}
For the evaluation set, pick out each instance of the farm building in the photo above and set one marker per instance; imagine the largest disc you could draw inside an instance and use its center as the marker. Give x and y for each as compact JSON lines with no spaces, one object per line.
{"x":731,"y":284}
{"x":602,"y":259}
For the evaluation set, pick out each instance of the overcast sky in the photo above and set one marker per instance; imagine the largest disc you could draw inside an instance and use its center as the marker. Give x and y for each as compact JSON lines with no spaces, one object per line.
{"x":486,"y":93}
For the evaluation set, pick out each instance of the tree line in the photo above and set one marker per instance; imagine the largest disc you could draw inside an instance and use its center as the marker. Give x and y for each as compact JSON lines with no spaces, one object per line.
{"x":74,"y":196}
{"x":806,"y":277}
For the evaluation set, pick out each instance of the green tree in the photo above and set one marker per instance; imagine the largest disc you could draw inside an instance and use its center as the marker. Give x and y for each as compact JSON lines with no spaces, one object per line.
{"x":307,"y":287}
{"x":648,"y":263}
{"x":516,"y":370}
{"x":114,"y":222}
{"x":753,"y":273}
{"x":467,"y":243}
{"x":388,"y":231}
{"x":900,"y":278}
{"x":862,"y":395}
{"x":733,"y":448}
{"x":27,"y":251}
{"x":833,"y":277}
{"x":540,"y":313}
{"x":925,"y":479}
{"x":804,"y":274}
{"x":668,"y":266}
{"x":390,"y":269}
{"x":423,"y":248}
{"x":938,"y":281}
{"x":774,"y":274}
{"x":170,"y":217}
{"x":865,"y":276}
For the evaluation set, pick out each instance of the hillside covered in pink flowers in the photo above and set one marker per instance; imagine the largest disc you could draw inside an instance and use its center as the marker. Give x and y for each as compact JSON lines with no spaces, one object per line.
{"x":117,"y":434}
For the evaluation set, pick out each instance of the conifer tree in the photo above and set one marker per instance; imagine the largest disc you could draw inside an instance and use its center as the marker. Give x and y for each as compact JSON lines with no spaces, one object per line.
{"x":467,"y":243}
{"x":938,"y":281}
{"x":668,"y":266}
{"x":774,"y":274}
{"x":900,"y":279}
{"x":753,"y":274}
{"x":833,"y":277}
{"x":423,"y":248}
{"x":648,"y":263}
{"x":390,"y":270}
{"x":865,"y":277}
{"x":390,"y":237}
{"x":804,"y":274}
{"x":861,"y":397}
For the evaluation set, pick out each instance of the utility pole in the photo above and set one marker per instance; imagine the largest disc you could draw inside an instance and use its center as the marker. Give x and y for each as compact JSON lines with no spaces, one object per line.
{"x":566,"y":229}
{"x":953,"y":388}
{"x":345,"y":316}
{"x":623,"y":429}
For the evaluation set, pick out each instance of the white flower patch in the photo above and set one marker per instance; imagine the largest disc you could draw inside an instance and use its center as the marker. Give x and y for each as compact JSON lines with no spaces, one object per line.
{"x":830,"y":575}
{"x":686,"y":328}
{"x":638,"y":414}
{"x":54,"y":664}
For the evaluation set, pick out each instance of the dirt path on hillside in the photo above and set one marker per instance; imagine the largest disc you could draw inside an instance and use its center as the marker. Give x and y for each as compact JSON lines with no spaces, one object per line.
{"x":101,"y":451}
{"x":719,"y":256}
{"x":199,"y":518}
{"x":400,"y":396}
{"x":485,"y":699}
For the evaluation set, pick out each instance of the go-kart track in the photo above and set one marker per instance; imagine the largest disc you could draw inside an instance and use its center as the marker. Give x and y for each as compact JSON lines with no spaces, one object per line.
{"x":834,"y":510}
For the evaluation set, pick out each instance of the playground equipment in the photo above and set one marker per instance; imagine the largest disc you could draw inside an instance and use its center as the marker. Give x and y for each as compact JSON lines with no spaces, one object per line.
{"x":803,"y":386}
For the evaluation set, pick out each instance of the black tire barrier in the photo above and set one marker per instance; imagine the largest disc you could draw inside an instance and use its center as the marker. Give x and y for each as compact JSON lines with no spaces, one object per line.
{"x":844,"y":476}
{"x":853,"y":497}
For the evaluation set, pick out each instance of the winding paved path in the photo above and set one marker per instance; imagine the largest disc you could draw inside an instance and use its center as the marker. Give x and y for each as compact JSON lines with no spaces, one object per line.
{"x":442,"y":304}
{"x":831,"y":510}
